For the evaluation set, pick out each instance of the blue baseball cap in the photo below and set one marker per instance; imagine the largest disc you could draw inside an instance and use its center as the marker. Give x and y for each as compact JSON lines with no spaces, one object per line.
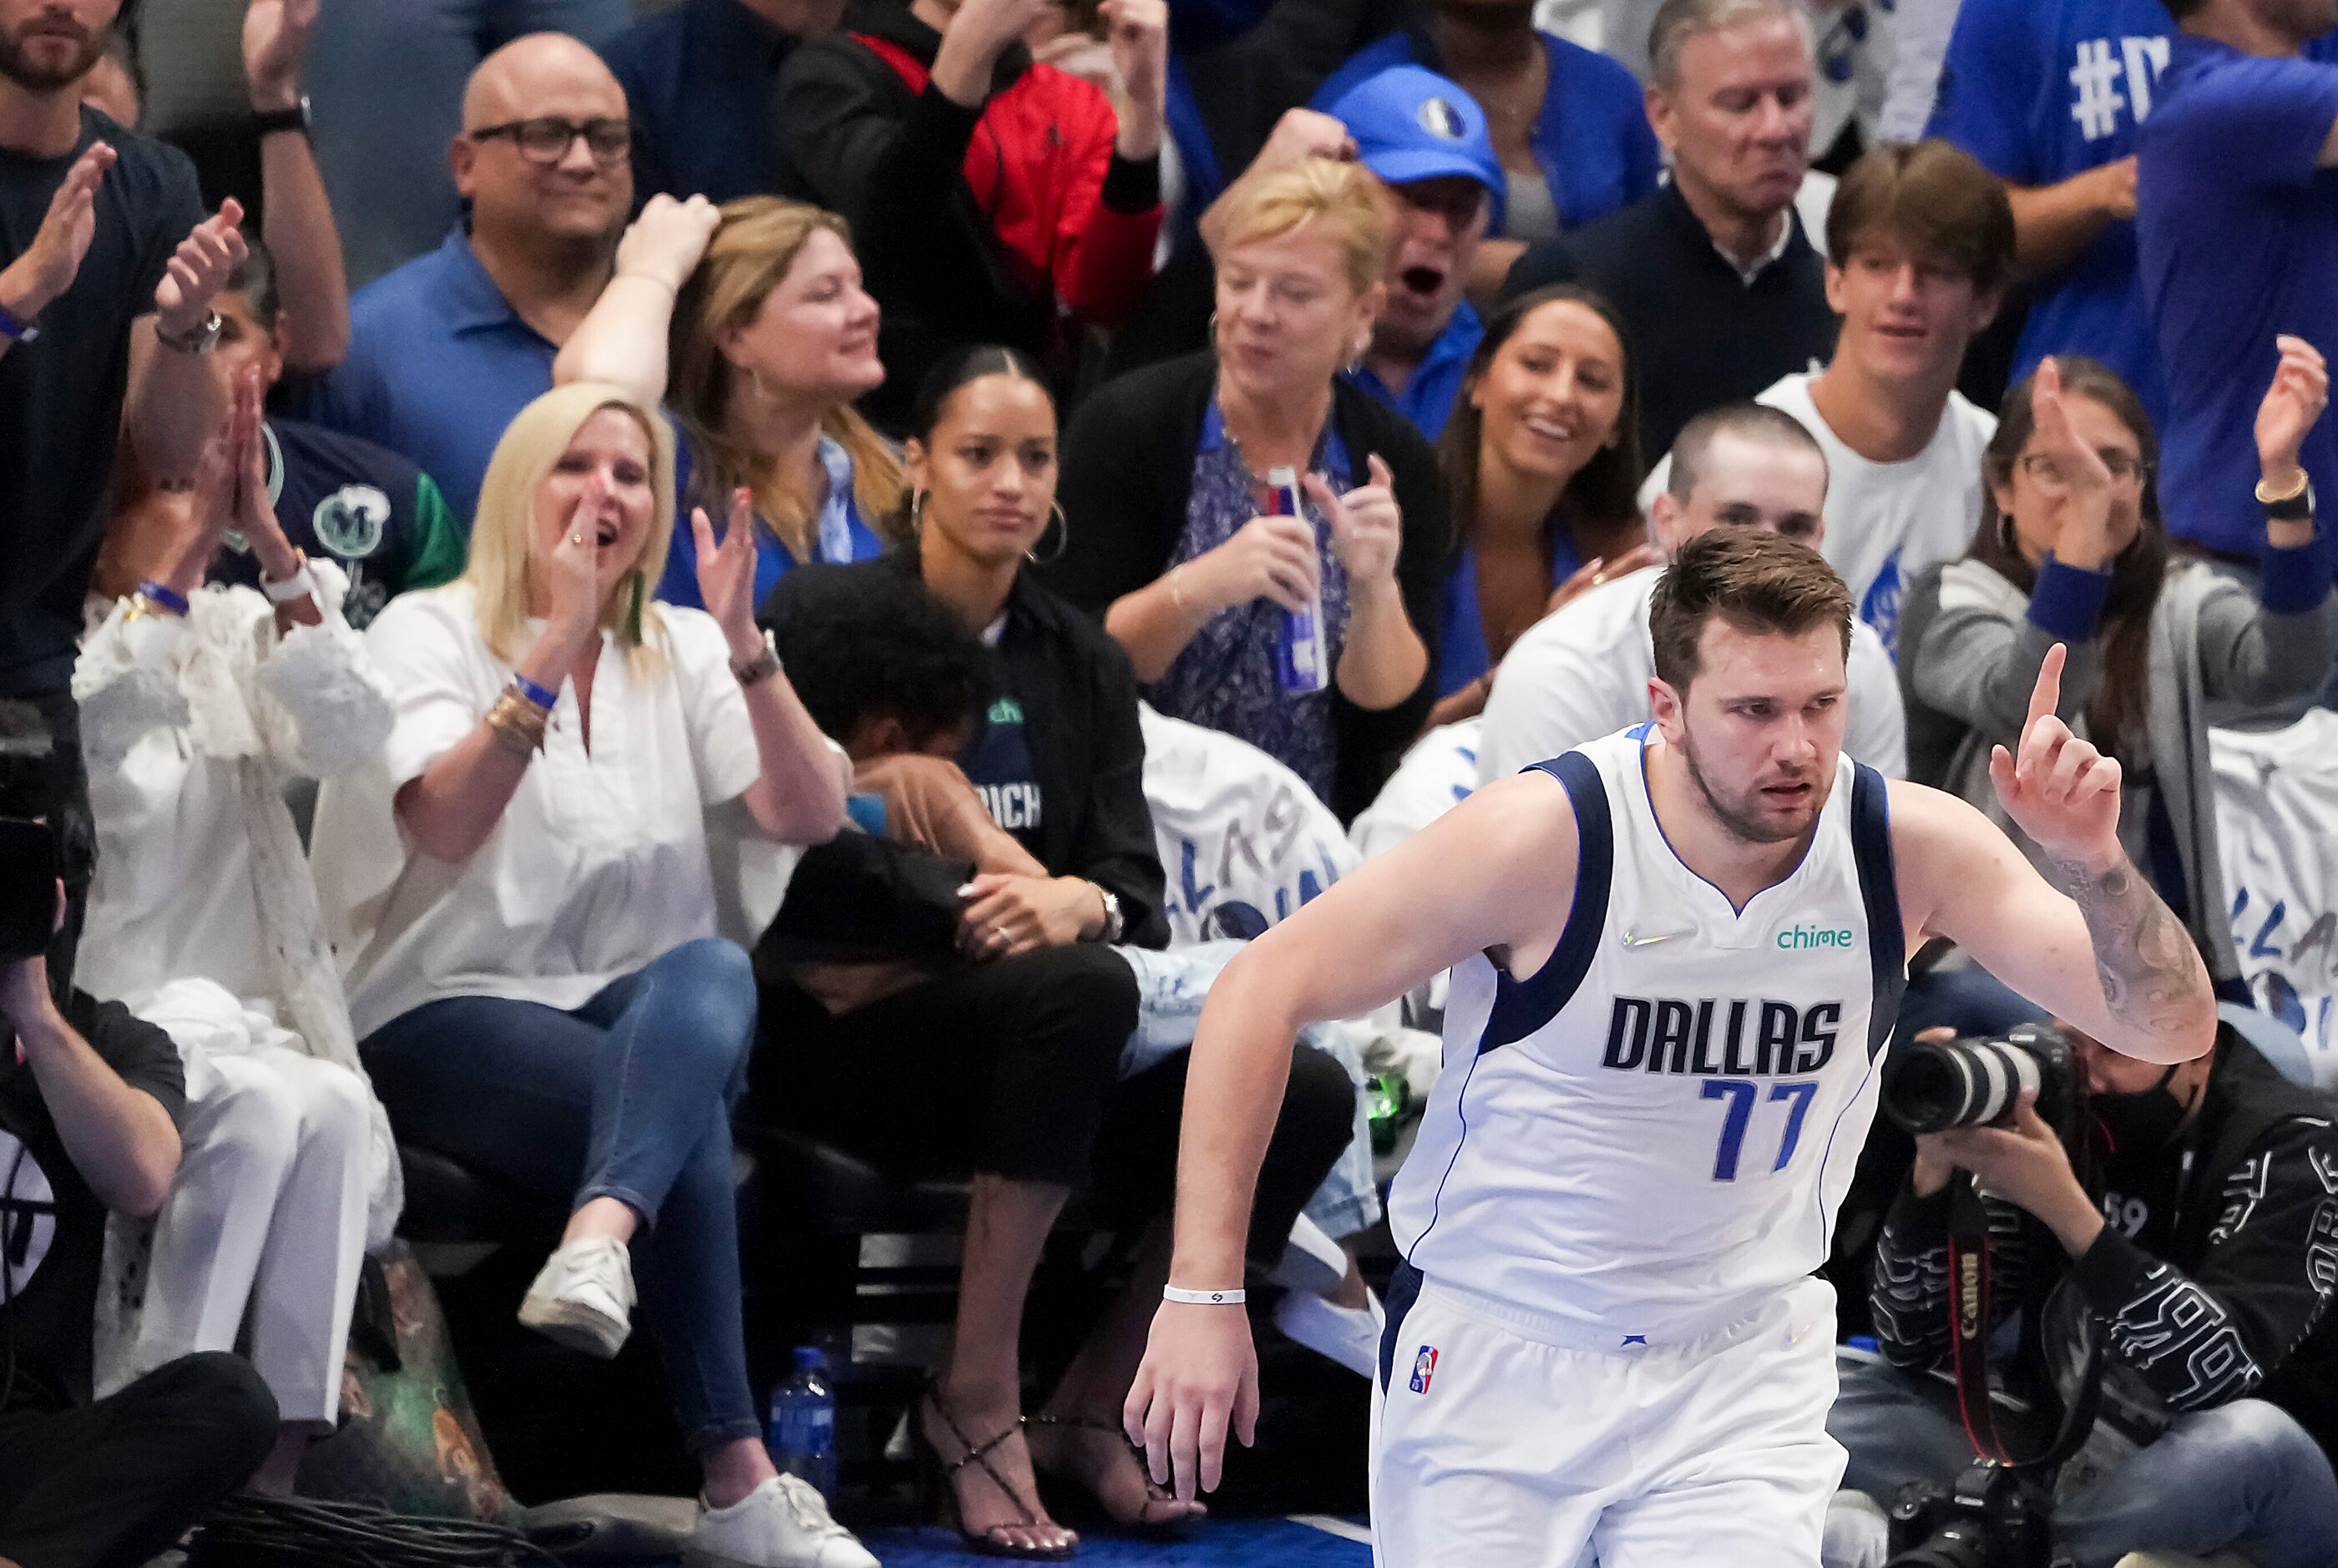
{"x":1411,"y":123}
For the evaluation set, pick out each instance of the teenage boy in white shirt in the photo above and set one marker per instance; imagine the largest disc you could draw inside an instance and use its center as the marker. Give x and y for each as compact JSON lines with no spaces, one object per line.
{"x":1919,"y":246}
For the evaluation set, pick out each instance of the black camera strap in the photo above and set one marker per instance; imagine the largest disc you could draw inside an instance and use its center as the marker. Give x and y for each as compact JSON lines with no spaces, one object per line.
{"x":1968,"y":1334}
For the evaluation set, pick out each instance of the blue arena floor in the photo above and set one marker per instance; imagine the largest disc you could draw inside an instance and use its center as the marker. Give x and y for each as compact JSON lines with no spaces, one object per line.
{"x":1235,"y":1543}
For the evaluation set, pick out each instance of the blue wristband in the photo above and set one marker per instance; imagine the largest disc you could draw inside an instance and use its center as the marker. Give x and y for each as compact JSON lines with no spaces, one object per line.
{"x":534,"y":693}
{"x":170,"y":599}
{"x":16,"y":332}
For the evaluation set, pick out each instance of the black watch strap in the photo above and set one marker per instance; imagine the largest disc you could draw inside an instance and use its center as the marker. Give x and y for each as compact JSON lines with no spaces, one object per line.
{"x":293,"y":118}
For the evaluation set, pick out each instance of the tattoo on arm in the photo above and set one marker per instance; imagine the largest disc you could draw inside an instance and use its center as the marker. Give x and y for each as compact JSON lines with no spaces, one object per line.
{"x":2151,"y":973}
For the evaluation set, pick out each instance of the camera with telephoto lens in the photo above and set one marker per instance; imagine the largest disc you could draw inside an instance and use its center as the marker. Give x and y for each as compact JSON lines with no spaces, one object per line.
{"x":1935,"y":1085}
{"x":28,"y":888}
{"x":29,"y":860}
{"x":1991,"y":1518}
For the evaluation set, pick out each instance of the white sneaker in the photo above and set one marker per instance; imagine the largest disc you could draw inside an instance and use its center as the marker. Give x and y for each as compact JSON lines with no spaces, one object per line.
{"x":584,"y":1297}
{"x":1858,"y":1533}
{"x":783,"y":1524}
{"x":1311,"y":1262}
{"x":1348,"y":1335}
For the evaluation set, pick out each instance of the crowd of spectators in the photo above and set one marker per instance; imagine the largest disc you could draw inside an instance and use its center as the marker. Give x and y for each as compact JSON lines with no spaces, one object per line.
{"x":709,"y":497}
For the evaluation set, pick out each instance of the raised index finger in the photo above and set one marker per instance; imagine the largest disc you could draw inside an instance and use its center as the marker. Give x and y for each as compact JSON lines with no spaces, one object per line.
{"x":2045,"y":697}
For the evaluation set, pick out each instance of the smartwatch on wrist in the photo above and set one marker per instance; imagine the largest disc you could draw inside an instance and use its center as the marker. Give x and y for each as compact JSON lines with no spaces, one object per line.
{"x":2295,"y":505}
{"x":297,"y":118}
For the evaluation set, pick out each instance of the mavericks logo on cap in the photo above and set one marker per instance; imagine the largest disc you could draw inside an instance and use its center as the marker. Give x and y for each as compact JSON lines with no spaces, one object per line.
{"x":1441,"y":120}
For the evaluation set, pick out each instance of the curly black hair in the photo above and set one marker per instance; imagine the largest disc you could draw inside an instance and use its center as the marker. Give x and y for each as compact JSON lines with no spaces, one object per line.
{"x":866,"y":642}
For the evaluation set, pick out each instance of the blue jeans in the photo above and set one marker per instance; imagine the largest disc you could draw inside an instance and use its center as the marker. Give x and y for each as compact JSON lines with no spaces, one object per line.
{"x":387,"y":78}
{"x":2244,"y":1477}
{"x":627,"y":1097}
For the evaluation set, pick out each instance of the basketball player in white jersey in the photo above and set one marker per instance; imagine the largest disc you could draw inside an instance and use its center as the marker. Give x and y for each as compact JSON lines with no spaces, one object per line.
{"x":1676,"y":956}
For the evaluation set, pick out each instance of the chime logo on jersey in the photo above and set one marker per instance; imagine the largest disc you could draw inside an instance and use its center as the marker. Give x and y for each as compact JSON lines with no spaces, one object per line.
{"x":1737,"y":1037}
{"x":1424,"y":1367}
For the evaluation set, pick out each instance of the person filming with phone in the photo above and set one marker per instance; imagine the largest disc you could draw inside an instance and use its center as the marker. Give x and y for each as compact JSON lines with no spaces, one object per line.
{"x":2185,"y":1218}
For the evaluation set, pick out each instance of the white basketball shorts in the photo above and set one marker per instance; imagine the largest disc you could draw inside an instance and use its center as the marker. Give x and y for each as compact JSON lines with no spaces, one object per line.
{"x":1505,"y":1438}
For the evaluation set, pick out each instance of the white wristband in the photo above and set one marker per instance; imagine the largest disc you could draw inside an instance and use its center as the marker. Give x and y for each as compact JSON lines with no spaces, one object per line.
{"x":299,"y":585}
{"x":1204,"y":1298}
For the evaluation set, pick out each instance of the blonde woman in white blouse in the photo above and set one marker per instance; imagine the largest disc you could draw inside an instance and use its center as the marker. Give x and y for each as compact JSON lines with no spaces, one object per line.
{"x":525,"y":908}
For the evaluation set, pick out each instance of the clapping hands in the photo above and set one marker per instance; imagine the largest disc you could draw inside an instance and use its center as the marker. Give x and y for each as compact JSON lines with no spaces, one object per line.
{"x":726,"y":573}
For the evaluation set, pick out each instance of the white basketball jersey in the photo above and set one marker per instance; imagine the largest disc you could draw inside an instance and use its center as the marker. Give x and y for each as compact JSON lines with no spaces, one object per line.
{"x":1657,"y":1127}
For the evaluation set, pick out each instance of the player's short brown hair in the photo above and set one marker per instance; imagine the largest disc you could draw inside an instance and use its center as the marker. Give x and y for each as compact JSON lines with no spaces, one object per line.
{"x":1758,"y":582}
{"x":1933,"y":197}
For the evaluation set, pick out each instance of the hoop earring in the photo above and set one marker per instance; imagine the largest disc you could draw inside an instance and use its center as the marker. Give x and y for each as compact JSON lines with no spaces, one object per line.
{"x":1062,"y":538}
{"x":916,"y":511}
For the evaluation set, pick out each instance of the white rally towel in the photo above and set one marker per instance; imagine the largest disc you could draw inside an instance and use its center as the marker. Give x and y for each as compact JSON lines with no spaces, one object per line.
{"x":2278,"y":818}
{"x":1244,"y":839}
{"x":1438,"y":773}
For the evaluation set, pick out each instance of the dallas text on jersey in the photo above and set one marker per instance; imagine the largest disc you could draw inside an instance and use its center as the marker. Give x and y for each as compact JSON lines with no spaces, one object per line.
{"x":1674,"y":1034}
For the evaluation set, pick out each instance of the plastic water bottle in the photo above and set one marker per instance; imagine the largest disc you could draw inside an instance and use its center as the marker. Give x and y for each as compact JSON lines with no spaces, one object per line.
{"x":1298,"y":656}
{"x":803,"y":1435}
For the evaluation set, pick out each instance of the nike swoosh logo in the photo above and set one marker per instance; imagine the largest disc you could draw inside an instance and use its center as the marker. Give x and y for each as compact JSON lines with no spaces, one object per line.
{"x":1650,"y":938}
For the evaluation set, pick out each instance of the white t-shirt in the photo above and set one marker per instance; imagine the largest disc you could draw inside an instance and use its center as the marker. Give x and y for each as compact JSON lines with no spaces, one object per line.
{"x":1583,"y":671}
{"x":1886,"y":523}
{"x":599,"y":863}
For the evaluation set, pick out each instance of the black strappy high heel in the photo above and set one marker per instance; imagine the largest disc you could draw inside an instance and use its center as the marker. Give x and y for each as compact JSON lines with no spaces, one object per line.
{"x":940,"y":1474}
{"x":1154,"y":1493}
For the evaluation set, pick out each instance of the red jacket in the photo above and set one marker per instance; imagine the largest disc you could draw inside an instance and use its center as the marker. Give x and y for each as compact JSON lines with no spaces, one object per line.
{"x":973,"y":226}
{"x":1036,"y":166}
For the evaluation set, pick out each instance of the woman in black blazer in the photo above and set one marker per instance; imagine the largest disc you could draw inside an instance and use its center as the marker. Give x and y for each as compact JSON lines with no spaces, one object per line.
{"x":1165,"y":498}
{"x":1008,"y":1065}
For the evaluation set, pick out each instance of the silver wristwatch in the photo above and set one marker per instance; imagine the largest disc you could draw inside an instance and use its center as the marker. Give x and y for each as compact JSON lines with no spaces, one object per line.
{"x":1113,"y":922}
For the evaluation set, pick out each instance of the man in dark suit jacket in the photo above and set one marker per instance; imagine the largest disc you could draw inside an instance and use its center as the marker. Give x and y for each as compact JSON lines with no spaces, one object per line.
{"x":1723,"y":291}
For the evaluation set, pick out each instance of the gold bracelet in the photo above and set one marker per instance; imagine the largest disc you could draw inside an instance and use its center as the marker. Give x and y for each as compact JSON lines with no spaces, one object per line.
{"x":2267,"y":498}
{"x":518,"y":724}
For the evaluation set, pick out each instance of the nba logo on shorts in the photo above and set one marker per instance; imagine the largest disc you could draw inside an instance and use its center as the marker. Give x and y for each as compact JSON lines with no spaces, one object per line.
{"x":1424,"y":1367}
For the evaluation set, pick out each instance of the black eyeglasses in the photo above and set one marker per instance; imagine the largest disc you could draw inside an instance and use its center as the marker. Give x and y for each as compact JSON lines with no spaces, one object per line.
{"x":547,"y":138}
{"x":2051,"y":472}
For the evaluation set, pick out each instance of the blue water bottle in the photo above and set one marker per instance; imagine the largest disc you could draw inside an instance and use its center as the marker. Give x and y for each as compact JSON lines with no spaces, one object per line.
{"x":1298,"y":656}
{"x":802,"y":1435}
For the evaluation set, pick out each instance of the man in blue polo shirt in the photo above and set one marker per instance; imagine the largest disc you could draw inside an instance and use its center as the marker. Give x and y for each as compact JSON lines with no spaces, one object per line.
{"x":2236,"y":224}
{"x":445,"y":349}
{"x":1425,"y":139}
{"x":702,"y":79}
{"x":2048,"y":95}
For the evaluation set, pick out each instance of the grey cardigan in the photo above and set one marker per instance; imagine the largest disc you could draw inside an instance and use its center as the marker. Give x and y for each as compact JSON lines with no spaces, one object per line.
{"x":1970,"y":654}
